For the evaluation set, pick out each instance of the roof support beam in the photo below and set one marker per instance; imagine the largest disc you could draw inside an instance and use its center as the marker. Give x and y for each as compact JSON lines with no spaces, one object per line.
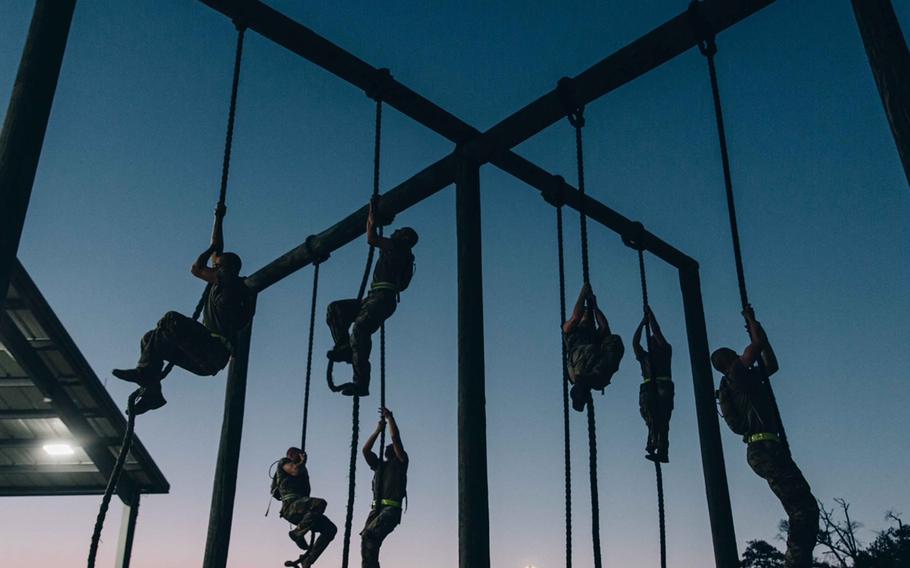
{"x":37,"y":443}
{"x":38,"y":414}
{"x":64,"y":406}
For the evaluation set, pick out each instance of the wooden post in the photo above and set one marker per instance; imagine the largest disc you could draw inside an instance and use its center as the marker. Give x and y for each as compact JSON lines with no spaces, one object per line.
{"x":26,"y":122}
{"x":473,"y":500}
{"x":720,"y":513}
{"x":890,"y":63}
{"x":225,"y":484}
{"x":127,"y":531}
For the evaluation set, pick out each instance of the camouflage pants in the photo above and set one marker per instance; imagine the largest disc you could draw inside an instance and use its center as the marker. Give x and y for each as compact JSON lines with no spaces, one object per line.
{"x":308,"y":514}
{"x":185,"y":342}
{"x":657,"y":416}
{"x":380,"y":523}
{"x":366,"y":317}
{"x":773,"y":463}
{"x":592,"y":366}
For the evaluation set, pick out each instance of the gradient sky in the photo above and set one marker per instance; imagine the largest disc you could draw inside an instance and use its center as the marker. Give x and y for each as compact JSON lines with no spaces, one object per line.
{"x":129,"y":175}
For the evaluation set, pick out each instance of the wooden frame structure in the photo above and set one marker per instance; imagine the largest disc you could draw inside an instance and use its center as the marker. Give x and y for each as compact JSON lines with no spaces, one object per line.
{"x":20,"y":146}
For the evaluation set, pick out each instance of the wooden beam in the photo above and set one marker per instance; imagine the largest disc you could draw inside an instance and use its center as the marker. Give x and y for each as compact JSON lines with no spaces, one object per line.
{"x":889,"y":59}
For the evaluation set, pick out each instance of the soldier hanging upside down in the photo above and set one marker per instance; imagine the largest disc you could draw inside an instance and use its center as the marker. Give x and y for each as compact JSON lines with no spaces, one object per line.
{"x":390,"y":487}
{"x":391,"y":276}
{"x":291,"y":484}
{"x":200,"y":348}
{"x":592,"y":352}
{"x":655,"y":396}
{"x":748,"y":409}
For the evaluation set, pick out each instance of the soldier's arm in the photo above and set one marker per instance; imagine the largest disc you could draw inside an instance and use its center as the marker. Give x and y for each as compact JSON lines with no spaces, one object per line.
{"x":759,"y":340}
{"x":373,"y":238}
{"x":201,"y":269}
{"x":395,"y":434}
{"x":655,"y":328}
{"x":578,"y":310}
{"x":368,"y":454}
{"x":603,"y":326}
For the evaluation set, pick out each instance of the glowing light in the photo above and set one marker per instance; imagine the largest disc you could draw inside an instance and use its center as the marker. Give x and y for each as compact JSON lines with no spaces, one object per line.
{"x":58,"y":449}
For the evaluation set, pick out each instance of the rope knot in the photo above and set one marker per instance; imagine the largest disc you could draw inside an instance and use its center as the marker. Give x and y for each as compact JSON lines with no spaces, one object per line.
{"x":566,"y":93}
{"x":554,"y":193}
{"x":309,"y":245}
{"x":706,"y":42}
{"x":635,"y":236}
{"x":379,"y":84}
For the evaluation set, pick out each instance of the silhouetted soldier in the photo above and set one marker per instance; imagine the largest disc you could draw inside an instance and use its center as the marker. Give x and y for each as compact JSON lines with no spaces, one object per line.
{"x":655,"y":401}
{"x":593,"y":353}
{"x":291,"y":484}
{"x":749,"y":410}
{"x":391,"y":276}
{"x":200,"y":348}
{"x":390,"y":487}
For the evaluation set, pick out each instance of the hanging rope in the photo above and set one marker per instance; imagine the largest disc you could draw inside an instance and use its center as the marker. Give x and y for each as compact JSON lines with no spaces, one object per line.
{"x":636,"y":239}
{"x":555,"y":198}
{"x":355,"y":418}
{"x":707,"y":45}
{"x":317,"y":261}
{"x":575,"y":114}
{"x":127,"y":441}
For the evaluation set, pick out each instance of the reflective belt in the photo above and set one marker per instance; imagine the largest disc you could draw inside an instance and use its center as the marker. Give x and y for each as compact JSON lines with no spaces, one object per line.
{"x":648,"y":379}
{"x":763,"y":437}
{"x":384,"y":286}
{"x":388,"y":503}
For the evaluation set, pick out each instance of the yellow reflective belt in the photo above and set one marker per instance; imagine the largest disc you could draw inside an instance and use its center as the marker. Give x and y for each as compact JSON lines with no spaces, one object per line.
{"x":648,"y":380}
{"x":388,"y":503}
{"x":763,"y":437}
{"x":384,"y":286}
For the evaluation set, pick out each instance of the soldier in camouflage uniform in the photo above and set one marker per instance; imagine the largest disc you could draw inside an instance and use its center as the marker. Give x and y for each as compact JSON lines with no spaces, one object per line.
{"x":655,"y":395}
{"x":390,"y":487}
{"x":391,"y":276}
{"x":593,"y":353}
{"x":200,"y":348}
{"x":292,"y":485}
{"x":749,"y":410}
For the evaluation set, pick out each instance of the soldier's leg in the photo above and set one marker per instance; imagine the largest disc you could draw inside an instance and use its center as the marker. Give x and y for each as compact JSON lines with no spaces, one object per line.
{"x":185,"y":342}
{"x":771,"y":461}
{"x":383,"y":524}
{"x":666,"y":391}
{"x":377,"y":307}
{"x":369,"y":545}
{"x":339,"y":316}
{"x":327,"y":531}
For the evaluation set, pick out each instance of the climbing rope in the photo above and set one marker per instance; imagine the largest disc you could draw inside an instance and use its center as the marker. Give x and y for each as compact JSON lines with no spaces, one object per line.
{"x":137,"y":395}
{"x":317,"y":261}
{"x":355,"y":418}
{"x":555,"y":197}
{"x":707,"y":45}
{"x":636,"y":240}
{"x":575,"y":114}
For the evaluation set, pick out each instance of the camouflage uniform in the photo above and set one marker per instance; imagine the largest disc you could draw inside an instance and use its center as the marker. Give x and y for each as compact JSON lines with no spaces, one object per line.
{"x":200,"y":348}
{"x":770,"y":459}
{"x":307,"y":513}
{"x":386,"y":512}
{"x":391,"y":275}
{"x":592,"y":361}
{"x":655,"y":400}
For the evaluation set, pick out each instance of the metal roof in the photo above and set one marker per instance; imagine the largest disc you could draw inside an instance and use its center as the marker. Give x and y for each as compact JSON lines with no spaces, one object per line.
{"x":50,"y":394}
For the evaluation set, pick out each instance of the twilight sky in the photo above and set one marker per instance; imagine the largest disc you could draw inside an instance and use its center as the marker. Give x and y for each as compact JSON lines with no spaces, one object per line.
{"x":129,"y":175}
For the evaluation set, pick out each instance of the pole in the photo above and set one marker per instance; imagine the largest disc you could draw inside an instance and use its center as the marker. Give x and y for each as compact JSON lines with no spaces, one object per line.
{"x":225,"y":484}
{"x":127,"y":531}
{"x":889,"y":59}
{"x":473,"y":500}
{"x":712,"y":456}
{"x":26,"y":122}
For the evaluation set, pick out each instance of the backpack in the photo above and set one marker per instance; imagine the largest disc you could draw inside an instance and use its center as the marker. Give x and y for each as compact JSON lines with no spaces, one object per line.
{"x":731,"y":404}
{"x":404,"y":278}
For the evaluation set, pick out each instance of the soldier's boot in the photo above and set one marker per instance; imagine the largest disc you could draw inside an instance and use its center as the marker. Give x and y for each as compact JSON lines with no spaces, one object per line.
{"x":580,"y":397}
{"x":150,"y":398}
{"x":361,"y":383}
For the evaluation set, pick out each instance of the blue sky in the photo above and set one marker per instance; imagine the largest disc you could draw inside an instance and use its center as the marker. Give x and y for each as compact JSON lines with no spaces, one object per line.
{"x":129,"y":176}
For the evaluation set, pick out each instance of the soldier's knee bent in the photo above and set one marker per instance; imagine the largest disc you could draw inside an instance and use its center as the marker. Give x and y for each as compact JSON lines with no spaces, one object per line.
{"x":319,"y":505}
{"x":170,"y":318}
{"x":330,"y":529}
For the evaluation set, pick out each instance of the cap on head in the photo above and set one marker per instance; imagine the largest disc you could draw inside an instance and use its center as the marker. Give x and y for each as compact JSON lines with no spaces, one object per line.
{"x":722,"y":359}
{"x":407,"y":235}
{"x":230,"y":263}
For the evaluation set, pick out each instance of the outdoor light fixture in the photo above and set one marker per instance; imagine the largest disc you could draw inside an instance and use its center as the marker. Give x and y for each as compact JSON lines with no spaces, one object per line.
{"x":58,"y":449}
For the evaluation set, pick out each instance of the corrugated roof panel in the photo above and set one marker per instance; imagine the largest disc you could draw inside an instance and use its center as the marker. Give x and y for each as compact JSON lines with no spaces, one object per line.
{"x":8,"y":365}
{"x":57,"y":363}
{"x":27,"y":323}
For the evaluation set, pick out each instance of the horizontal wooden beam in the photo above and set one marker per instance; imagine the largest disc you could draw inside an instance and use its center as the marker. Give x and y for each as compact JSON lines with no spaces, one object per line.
{"x":36,"y":443}
{"x":644,"y":54}
{"x":38,"y":414}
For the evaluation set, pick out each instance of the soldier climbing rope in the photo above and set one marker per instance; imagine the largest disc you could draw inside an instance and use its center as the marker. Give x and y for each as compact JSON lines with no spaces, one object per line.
{"x":136,"y":397}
